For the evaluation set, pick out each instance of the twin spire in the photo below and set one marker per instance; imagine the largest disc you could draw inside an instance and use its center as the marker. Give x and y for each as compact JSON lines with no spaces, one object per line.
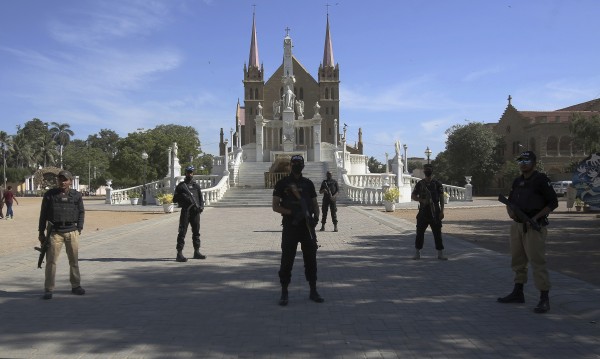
{"x":254,"y":60}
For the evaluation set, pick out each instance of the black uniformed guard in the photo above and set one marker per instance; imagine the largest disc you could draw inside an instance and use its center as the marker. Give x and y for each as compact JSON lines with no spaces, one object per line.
{"x":329,"y":189}
{"x":63,"y":207}
{"x":295,"y":198}
{"x":533,"y":195}
{"x":189,"y":197}
{"x":430,"y":193}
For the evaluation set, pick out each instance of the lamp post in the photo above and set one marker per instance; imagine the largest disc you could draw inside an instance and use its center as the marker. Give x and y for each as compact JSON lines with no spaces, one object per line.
{"x":144,"y":158}
{"x":405,"y":159}
{"x":428,"y":154}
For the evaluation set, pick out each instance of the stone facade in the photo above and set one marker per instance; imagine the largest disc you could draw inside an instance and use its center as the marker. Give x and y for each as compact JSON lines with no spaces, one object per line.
{"x":546,"y":133}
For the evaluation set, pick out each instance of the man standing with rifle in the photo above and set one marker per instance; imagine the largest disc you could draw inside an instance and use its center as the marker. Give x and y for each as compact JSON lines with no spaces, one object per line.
{"x":295,"y":198}
{"x":63,"y":207}
{"x":189,"y":197}
{"x":429,"y":192}
{"x":330,"y":189}
{"x":531,"y":199}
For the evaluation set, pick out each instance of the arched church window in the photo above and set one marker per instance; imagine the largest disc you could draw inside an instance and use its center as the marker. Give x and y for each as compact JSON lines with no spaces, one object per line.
{"x":256,"y":94}
{"x":301,"y":136}
{"x":249,"y":94}
{"x":332,"y":96}
{"x":326,"y":92}
{"x":564,"y":148}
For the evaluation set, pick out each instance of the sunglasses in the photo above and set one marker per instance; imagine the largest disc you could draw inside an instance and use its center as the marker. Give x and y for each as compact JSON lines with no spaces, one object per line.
{"x":524,"y":162}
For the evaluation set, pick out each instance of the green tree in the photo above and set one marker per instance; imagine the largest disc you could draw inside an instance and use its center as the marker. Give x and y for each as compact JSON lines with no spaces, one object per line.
{"x":46,"y":152}
{"x":413,"y":165}
{"x":375,"y":166}
{"x":586,"y":131}
{"x":89,"y":163}
{"x":107,"y":141}
{"x":61,"y":133}
{"x":472,"y":150}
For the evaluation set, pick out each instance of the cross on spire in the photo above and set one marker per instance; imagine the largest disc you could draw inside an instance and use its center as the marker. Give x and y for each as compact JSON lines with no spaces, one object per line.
{"x":287,"y":31}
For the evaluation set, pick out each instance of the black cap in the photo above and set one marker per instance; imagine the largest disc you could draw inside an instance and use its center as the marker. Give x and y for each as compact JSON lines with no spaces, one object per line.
{"x":65,"y":174}
{"x":297,"y":158}
{"x":527,"y":156}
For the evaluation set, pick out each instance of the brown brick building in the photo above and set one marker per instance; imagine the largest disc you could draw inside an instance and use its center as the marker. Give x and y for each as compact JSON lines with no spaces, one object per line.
{"x":546,"y":133}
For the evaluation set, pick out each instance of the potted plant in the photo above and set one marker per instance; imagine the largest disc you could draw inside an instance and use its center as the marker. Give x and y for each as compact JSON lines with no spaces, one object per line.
{"x":578,"y":204}
{"x":166,"y":199}
{"x":390,"y":197}
{"x":134,"y":196}
{"x":446,"y":198}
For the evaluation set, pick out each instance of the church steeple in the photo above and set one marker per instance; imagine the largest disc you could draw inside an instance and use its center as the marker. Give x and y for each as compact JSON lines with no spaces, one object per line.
{"x":328,"y":52}
{"x":253,"y":60}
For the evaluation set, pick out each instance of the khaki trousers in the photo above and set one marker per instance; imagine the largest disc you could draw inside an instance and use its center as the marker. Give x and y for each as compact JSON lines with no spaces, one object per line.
{"x":529,"y":247}
{"x":71,"y":241}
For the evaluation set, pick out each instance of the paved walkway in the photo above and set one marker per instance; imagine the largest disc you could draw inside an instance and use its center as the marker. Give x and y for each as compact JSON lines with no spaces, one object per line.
{"x":140,"y":303}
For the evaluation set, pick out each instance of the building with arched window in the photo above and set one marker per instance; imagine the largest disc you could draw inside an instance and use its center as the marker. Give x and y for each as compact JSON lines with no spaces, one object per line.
{"x":546,"y":133}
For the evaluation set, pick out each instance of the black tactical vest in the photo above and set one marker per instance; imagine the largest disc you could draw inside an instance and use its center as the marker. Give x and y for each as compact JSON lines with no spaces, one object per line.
{"x":64,"y":208}
{"x":526,"y":194}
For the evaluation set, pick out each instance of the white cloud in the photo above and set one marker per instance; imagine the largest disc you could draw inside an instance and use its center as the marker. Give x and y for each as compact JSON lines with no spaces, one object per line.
{"x":476,"y":75}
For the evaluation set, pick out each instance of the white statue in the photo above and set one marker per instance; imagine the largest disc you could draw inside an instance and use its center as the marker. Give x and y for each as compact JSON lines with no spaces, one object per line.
{"x":175,"y":149}
{"x":398,"y":148}
{"x":260,"y":109}
{"x":300,"y":108}
{"x":317,"y":108}
{"x":288,"y":92}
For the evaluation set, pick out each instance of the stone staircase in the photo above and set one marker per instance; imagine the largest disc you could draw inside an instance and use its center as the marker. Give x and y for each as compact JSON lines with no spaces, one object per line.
{"x":251,"y":192}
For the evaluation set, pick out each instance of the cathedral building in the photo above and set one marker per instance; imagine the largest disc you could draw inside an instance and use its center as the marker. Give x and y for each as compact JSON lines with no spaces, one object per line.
{"x":291,"y":110}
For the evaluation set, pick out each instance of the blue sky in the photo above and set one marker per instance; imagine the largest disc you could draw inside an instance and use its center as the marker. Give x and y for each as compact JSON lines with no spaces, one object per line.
{"x":409,"y":70}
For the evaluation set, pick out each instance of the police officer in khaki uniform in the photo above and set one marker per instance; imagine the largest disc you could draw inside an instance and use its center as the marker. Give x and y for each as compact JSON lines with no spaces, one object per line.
{"x":533,"y":194}
{"x":63,"y":207}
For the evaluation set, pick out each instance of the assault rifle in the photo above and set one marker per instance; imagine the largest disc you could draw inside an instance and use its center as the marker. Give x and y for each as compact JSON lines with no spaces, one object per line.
{"x":305,"y":215}
{"x":329,"y":192}
{"x":523,"y":218}
{"x":428,"y":199}
{"x":192,"y":198}
{"x":43,"y":248}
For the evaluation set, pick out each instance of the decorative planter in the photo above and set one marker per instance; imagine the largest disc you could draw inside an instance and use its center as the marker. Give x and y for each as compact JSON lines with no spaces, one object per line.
{"x":168,"y":207}
{"x":389,"y":206}
{"x":446,"y":200}
{"x":578,"y":208}
{"x":134,"y":201}
{"x":157,"y":201}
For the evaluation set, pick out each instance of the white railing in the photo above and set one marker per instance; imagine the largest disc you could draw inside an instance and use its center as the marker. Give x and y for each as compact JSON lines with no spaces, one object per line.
{"x":372,"y":180}
{"x":214,"y":194}
{"x":234,"y":166}
{"x":362,"y":195}
{"x":208,"y":183}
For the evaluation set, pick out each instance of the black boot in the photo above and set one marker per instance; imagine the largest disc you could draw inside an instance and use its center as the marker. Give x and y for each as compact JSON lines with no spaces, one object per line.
{"x":198,"y":255}
{"x":335,"y":227}
{"x":180,"y":257}
{"x":283,"y":300}
{"x":516,"y":296}
{"x":544,"y":304}
{"x":322,"y":227}
{"x":314,"y":295}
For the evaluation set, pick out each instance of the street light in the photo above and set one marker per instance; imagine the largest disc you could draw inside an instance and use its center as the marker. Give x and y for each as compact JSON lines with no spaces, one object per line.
{"x":428,"y":154}
{"x":145,"y":158}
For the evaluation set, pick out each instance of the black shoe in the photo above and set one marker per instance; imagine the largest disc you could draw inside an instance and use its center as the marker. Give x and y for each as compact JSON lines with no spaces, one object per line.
{"x":47,"y":295}
{"x":514,"y":297}
{"x":315,"y":297}
{"x":198,"y":255}
{"x":180,"y":257}
{"x":78,"y":291}
{"x":322,"y":228}
{"x":335,"y":228}
{"x":543,"y":306}
{"x":283,"y":300}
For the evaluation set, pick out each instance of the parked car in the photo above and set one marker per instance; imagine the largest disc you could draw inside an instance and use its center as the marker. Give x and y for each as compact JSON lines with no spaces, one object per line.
{"x":560,"y":187}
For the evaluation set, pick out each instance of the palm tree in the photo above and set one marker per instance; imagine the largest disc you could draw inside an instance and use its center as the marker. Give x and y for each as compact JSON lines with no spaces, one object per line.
{"x":24,"y":155}
{"x":46,"y":150}
{"x":5,"y":143}
{"x":61,"y":133}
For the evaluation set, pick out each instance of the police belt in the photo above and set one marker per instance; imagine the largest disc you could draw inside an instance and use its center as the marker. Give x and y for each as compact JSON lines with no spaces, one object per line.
{"x":64,"y":224}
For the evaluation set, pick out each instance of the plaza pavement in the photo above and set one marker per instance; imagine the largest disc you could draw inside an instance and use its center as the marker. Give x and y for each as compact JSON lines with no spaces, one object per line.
{"x":379,"y":303}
